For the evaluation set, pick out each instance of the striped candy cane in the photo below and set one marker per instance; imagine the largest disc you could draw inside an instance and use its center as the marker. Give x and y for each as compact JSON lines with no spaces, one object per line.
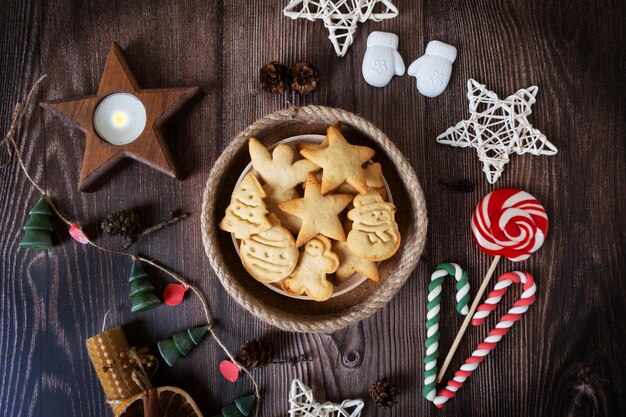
{"x":432,"y":316}
{"x":502,"y":328}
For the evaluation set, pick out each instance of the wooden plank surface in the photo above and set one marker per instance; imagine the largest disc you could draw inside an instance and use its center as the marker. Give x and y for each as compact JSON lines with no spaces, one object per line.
{"x":564,"y":358}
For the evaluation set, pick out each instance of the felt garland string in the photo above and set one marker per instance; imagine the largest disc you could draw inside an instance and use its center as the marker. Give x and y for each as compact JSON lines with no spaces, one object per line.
{"x":9,"y":144}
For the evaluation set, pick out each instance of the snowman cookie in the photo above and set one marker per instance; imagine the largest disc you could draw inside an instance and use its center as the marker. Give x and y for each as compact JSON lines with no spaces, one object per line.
{"x":271,"y":255}
{"x":374,"y":235}
{"x":317,"y":260}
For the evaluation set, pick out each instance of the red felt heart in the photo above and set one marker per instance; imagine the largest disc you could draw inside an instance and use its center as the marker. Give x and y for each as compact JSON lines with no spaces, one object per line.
{"x":229,"y":370}
{"x":174,"y":294}
{"x":78,"y":235}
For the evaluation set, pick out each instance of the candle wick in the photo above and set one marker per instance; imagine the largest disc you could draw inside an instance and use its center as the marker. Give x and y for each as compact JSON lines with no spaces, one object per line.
{"x":104,"y":320}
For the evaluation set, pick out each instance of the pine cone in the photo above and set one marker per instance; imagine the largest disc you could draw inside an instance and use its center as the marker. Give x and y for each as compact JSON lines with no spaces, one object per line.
{"x":384,"y":394}
{"x":124,"y":223}
{"x":274,"y":77}
{"x":304,"y":77}
{"x":256,"y":353}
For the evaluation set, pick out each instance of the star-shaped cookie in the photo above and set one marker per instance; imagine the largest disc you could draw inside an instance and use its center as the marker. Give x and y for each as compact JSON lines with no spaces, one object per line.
{"x":281,"y":175}
{"x":340,"y":161}
{"x":350,"y":263}
{"x":319,"y":213}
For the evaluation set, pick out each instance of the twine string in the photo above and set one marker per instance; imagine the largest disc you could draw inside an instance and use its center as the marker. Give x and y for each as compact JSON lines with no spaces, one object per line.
{"x":9,"y":145}
{"x":139,"y":373}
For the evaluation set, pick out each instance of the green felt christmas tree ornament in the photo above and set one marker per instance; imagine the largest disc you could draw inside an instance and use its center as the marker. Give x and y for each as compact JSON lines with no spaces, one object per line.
{"x":180,"y":344}
{"x":38,"y":229}
{"x":141,"y":290}
{"x":241,"y":408}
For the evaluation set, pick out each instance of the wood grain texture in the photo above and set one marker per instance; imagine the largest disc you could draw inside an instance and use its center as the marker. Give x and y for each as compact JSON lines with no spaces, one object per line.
{"x":564,"y":358}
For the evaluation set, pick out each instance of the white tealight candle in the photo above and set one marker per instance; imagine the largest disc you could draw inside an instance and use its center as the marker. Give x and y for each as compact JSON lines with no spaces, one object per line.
{"x":120,"y":118}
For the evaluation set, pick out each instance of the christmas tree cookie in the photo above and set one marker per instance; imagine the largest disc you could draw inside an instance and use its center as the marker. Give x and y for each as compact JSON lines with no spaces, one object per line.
{"x":247,"y":214}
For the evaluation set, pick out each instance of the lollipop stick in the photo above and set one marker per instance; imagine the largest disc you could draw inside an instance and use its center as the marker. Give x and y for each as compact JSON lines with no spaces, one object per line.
{"x":468,"y":318}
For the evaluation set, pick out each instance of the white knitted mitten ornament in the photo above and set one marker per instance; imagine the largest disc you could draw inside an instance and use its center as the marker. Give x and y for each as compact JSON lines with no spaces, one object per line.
{"x":434,"y":68}
{"x":382,"y":60}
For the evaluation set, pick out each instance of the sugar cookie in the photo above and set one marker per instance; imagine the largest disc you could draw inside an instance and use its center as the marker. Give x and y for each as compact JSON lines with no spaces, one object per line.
{"x":247,"y":213}
{"x":281,"y":175}
{"x":310,"y":276}
{"x":271,"y":255}
{"x":374,"y":235}
{"x":319,"y":213}
{"x":312,"y":145}
{"x":349,"y":263}
{"x":340,"y":162}
{"x":373,"y":180}
{"x":279,"y":169}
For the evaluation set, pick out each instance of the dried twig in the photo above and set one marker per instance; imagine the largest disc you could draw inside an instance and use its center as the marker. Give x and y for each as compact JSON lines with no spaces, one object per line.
{"x":175,"y":217}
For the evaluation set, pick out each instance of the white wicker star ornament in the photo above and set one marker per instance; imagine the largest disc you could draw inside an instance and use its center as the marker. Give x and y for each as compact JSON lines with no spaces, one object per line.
{"x":341,"y":16}
{"x":498,"y":128}
{"x":302,"y":404}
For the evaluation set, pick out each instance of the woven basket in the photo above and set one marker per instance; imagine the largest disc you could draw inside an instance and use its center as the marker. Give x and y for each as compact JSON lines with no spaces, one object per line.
{"x":309,"y":316}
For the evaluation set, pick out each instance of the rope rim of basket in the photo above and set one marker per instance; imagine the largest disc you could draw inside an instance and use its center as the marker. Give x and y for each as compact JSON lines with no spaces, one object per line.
{"x":410,"y":251}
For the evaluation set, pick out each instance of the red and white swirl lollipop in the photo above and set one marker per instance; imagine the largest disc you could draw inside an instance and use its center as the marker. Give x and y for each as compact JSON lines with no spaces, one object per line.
{"x":506,"y":222}
{"x":509,"y":222}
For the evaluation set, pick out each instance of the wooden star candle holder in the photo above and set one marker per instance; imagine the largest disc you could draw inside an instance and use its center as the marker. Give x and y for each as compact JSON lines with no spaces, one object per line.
{"x":123,"y":122}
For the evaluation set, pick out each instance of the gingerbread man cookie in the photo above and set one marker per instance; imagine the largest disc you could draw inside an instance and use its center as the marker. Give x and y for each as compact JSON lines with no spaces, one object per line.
{"x":310,"y":276}
{"x":374,"y":235}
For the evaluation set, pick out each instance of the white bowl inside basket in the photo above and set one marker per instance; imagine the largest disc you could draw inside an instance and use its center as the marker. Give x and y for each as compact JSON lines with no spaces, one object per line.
{"x":349,"y":284}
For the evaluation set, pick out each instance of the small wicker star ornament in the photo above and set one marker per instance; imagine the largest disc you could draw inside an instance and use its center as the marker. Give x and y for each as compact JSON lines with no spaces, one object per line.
{"x":302,"y":404}
{"x":498,"y":128}
{"x":341,"y":16}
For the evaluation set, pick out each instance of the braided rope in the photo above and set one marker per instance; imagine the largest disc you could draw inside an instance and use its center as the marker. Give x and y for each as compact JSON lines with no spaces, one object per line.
{"x":432,"y":319}
{"x":495,"y":335}
{"x":407,"y":257}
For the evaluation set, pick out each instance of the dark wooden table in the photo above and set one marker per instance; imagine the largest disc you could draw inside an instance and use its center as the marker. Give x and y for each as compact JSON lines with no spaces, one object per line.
{"x":564,"y":358}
